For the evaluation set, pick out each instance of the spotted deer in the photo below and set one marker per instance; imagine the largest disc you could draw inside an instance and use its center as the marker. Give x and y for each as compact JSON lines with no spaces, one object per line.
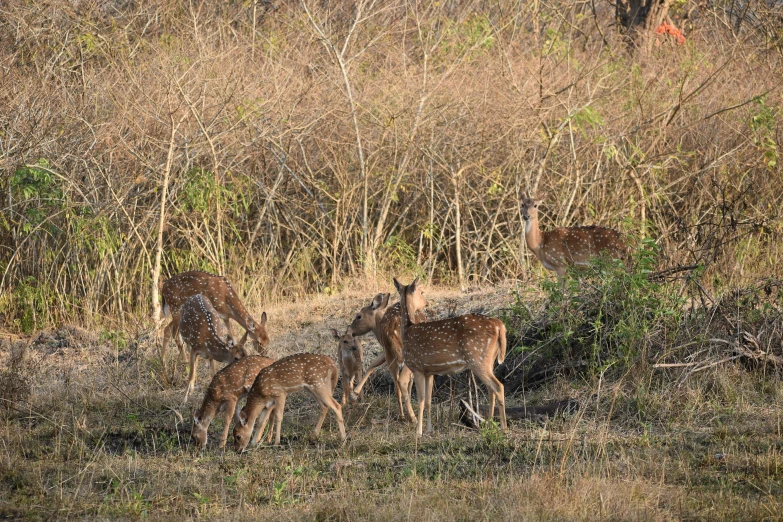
{"x":317,"y":374}
{"x":449,"y":346}
{"x":228,"y":387}
{"x":221,"y":294}
{"x":384,"y":323}
{"x":569,"y":246}
{"x":198,"y":328}
{"x":349,"y":359}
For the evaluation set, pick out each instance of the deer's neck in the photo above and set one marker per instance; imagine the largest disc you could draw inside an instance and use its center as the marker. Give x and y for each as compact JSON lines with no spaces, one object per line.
{"x":404,"y":318}
{"x":533,"y":234}
{"x":376,"y":327}
{"x":208,"y":408}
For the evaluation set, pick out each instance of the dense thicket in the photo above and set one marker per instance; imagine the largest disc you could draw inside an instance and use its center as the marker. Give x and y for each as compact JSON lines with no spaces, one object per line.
{"x":298,"y":144}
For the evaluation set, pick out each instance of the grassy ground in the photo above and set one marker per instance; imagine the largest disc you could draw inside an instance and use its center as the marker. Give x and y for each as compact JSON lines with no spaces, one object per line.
{"x":100,"y":438}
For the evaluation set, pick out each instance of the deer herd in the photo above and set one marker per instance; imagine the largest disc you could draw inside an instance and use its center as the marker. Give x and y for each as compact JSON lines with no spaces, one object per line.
{"x":415,"y":349}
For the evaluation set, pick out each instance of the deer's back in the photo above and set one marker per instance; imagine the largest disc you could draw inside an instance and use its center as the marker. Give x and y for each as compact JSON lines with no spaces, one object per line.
{"x":200,"y":323}
{"x":577,"y":245}
{"x":237,"y":377}
{"x":459,"y":340}
{"x":295,"y":372}
{"x":177,"y":289}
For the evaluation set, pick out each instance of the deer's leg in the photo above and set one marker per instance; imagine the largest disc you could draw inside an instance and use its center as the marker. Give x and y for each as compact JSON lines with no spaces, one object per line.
{"x":166,"y":338}
{"x":358,"y":378}
{"x":421,"y":395}
{"x":496,"y":390}
{"x":379,"y":361}
{"x":321,"y":417}
{"x":279,"y":408}
{"x":192,"y":380}
{"x":262,"y":422}
{"x":394,"y":370}
{"x":230,"y":405}
{"x":346,"y":385}
{"x":430,"y":386}
{"x":405,"y":385}
{"x":338,"y":412}
{"x":271,"y":431}
{"x":212,"y":366}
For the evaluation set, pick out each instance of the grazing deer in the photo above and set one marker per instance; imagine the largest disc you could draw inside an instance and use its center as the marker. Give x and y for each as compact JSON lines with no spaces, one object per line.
{"x":350,"y":359}
{"x":221,"y":294}
{"x":317,"y":374}
{"x":384,"y":322}
{"x":228,"y":386}
{"x":563,"y":247}
{"x":447,"y":347}
{"x":198,"y":329}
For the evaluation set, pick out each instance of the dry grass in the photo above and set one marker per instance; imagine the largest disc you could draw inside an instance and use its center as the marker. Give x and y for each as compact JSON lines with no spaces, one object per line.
{"x":99,"y":438}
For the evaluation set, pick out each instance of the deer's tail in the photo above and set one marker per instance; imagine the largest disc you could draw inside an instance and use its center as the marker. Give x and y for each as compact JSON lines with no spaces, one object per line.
{"x":501,"y":342}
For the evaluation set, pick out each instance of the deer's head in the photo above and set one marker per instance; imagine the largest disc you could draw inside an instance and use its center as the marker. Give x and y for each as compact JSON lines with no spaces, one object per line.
{"x":529,"y":207}
{"x":367,"y":318}
{"x":258,"y":332}
{"x":198,"y":432}
{"x":347,"y":342}
{"x":411,"y":295}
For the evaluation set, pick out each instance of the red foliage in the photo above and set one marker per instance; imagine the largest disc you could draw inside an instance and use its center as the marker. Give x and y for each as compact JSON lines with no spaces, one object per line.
{"x":666,"y":28}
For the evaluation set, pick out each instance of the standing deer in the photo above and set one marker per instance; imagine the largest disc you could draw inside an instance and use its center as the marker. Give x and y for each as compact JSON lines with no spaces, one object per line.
{"x":384,"y":322}
{"x":198,"y":329}
{"x":350,"y":360}
{"x":317,"y":374}
{"x":221,"y":294}
{"x":449,"y":346}
{"x":563,"y":247}
{"x":228,"y":386}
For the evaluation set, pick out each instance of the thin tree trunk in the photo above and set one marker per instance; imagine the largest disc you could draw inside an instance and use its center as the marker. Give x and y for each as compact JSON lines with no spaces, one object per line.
{"x":161,"y":222}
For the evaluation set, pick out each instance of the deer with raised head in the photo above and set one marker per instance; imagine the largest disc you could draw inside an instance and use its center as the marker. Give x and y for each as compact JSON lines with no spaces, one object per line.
{"x":176,"y":290}
{"x":350,"y":359}
{"x":228,"y":387}
{"x":317,"y":374}
{"x":384,"y":323}
{"x":568,"y":246}
{"x":198,"y":328}
{"x":449,"y":346}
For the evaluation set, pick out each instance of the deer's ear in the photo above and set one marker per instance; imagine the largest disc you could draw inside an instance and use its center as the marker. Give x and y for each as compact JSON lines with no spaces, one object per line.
{"x":336,"y":334}
{"x":386,"y":298}
{"x":378,"y":301}
{"x":196,"y":419}
{"x":399,"y":286}
{"x":262,"y":321}
{"x":414,"y":283}
{"x":242,"y":418}
{"x":251,"y":324}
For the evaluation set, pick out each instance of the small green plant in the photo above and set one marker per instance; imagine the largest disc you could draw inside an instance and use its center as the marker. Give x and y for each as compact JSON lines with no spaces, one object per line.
{"x":491,"y":434}
{"x":604,"y":316}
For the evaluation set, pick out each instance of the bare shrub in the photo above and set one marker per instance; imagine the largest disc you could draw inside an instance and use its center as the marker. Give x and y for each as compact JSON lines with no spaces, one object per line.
{"x":16,"y":378}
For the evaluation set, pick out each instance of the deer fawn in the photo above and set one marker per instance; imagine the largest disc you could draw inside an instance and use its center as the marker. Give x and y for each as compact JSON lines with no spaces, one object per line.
{"x":350,"y":360}
{"x":220,"y":293}
{"x":449,"y":346}
{"x":228,"y":386}
{"x":563,"y":247}
{"x":198,"y":329}
{"x":317,"y":374}
{"x":384,"y":322}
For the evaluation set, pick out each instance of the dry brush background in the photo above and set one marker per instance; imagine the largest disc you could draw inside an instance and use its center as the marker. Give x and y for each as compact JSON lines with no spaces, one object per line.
{"x":300,"y":146}
{"x":310,"y":151}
